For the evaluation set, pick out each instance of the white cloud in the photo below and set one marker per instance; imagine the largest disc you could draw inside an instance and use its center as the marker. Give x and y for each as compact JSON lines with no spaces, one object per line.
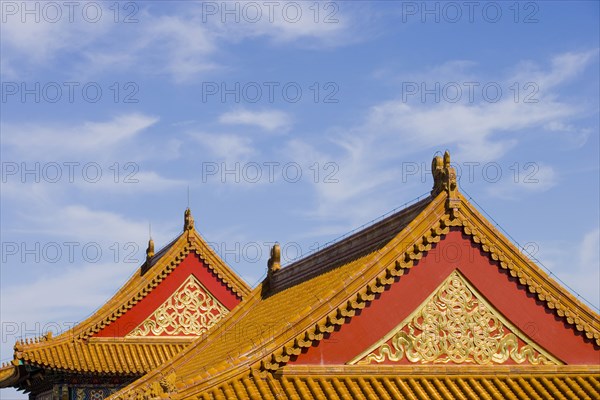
{"x":576,"y":263}
{"x":73,"y":291}
{"x":47,"y":142}
{"x":481,"y":131}
{"x":84,"y":224}
{"x":183,"y":45}
{"x":563,"y":67}
{"x":322,"y":24}
{"x":532,"y":177}
{"x":28,"y":42}
{"x":588,"y":252}
{"x":268,"y":120}
{"x":225,"y":146}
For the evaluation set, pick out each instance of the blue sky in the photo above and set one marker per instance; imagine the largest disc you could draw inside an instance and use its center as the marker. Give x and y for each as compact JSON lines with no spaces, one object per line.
{"x":236,"y":100}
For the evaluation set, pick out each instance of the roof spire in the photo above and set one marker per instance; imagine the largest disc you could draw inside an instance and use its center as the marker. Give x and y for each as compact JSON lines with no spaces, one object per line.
{"x":274,"y":263}
{"x":150,"y":249}
{"x":188,"y":221}
{"x":444,"y":179}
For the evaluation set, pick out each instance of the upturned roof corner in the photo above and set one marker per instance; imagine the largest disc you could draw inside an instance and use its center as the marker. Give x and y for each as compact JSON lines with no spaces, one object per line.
{"x":444,"y":180}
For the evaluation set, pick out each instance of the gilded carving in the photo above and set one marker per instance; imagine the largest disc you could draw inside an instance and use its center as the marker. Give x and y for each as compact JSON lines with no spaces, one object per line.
{"x":456,"y":325}
{"x":191,"y":310}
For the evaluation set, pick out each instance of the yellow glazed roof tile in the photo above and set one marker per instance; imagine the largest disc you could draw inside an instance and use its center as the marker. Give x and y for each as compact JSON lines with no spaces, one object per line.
{"x":296,"y":306}
{"x":76,"y":350}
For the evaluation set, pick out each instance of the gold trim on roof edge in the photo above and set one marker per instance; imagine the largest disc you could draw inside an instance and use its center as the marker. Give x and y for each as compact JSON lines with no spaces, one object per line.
{"x":437,"y":369}
{"x":140,"y":285}
{"x":455,"y":324}
{"x":426,"y":229}
{"x":507,"y":256}
{"x":134,"y":290}
{"x":324,"y":382}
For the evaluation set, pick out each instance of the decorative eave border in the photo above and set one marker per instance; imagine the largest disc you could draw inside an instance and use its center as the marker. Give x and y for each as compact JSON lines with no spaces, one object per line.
{"x":436,"y":369}
{"x":573,"y":312}
{"x":220,"y":269}
{"x":110,"y":359}
{"x":251,"y":385}
{"x":188,"y":242}
{"x":165,"y":270}
{"x":420,"y":235}
{"x":250,"y":369}
{"x":508,"y":257}
{"x":148,"y":386}
{"x":9,"y":374}
{"x":447,"y":209}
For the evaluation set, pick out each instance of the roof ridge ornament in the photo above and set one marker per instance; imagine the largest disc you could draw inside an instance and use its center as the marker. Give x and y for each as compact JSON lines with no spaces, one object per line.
{"x":444,"y":180}
{"x":274,"y":263}
{"x":188,"y":220}
{"x":150,"y":250}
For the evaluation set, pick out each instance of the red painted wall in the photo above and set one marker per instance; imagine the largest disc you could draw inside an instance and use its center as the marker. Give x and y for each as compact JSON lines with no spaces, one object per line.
{"x":454,"y":251}
{"x":192,"y":264}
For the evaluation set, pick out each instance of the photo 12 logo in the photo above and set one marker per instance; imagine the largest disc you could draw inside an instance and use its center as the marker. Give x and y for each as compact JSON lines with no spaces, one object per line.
{"x":69,"y":252}
{"x":254,"y":12}
{"x":68,"y":172}
{"x":69,"y":92}
{"x":469,"y":92}
{"x":452,"y":12}
{"x":471,"y":171}
{"x":269,"y":92}
{"x":53,"y":12}
{"x":13,"y":331}
{"x":269,"y":172}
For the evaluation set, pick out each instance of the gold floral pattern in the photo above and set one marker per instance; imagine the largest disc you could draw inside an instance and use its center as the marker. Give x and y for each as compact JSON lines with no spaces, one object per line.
{"x":191,"y":310}
{"x":456,"y":325}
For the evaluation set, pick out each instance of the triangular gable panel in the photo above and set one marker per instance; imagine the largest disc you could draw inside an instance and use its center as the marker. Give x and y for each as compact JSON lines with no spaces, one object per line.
{"x":527,"y":315}
{"x":455,"y":325}
{"x":168,"y":310}
{"x":190,"y":311}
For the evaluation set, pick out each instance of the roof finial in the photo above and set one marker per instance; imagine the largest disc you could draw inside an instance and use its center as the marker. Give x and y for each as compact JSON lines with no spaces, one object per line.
{"x":274,"y":263}
{"x":444,"y":179}
{"x":150,"y":249}
{"x":188,"y":222}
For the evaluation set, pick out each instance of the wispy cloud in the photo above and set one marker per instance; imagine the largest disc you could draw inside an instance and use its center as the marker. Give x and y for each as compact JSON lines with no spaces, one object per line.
{"x":576,"y":263}
{"x":29,"y":43}
{"x":268,"y":120}
{"x":182,"y":46}
{"x":82,"y":223}
{"x":55,"y":141}
{"x":225,"y":146}
{"x":535,"y":178}
{"x":482,"y":131}
{"x":304,"y":24}
{"x":72,"y":291}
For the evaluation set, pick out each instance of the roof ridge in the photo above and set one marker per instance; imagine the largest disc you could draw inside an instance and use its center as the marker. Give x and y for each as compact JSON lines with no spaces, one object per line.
{"x":359,"y":243}
{"x":360,"y":229}
{"x":308,"y":329}
{"x":326,"y":301}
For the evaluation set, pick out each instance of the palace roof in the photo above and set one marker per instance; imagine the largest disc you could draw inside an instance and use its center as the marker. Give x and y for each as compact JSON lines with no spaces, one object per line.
{"x":390,"y":312}
{"x":126,"y":335}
